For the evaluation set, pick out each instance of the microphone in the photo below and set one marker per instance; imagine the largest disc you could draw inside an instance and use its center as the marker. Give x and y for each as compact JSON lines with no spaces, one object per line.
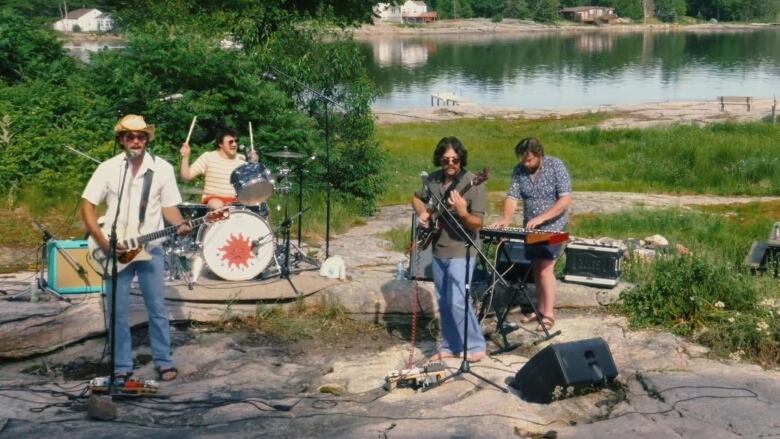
{"x":268,"y":76}
{"x":46,"y":235}
{"x":130,"y":154}
{"x":241,"y":147}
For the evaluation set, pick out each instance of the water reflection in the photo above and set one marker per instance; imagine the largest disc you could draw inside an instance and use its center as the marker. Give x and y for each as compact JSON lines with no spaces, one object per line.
{"x":567,"y":70}
{"x":83,"y":50}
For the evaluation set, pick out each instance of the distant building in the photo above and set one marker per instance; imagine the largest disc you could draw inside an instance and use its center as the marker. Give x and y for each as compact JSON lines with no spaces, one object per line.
{"x":85,"y":20}
{"x":417,"y":12}
{"x":409,"y":12}
{"x":387,"y":12}
{"x":590,"y":14}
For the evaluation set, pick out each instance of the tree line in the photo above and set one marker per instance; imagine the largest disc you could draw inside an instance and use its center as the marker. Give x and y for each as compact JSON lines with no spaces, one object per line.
{"x":665,"y":10}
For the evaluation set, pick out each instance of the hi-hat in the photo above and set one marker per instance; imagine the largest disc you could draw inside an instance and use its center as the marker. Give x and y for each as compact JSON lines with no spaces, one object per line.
{"x":285,"y":154}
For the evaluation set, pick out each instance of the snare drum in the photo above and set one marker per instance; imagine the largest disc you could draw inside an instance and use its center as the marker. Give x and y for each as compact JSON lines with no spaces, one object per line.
{"x":238,"y":248}
{"x":252,"y":182}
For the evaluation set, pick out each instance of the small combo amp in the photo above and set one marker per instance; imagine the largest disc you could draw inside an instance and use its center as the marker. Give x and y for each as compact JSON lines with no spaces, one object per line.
{"x":69,"y":271}
{"x":564,"y":370}
{"x":593,"y":264}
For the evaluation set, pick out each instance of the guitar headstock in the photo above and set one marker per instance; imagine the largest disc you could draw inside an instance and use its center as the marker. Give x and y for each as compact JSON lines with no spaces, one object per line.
{"x":481,"y":177}
{"x":220,"y":214}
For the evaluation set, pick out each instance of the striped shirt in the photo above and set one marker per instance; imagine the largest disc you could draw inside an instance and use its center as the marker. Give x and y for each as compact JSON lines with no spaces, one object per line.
{"x":217,"y":170}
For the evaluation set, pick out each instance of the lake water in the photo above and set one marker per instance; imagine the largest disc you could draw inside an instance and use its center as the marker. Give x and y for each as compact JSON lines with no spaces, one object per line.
{"x":575,"y":70}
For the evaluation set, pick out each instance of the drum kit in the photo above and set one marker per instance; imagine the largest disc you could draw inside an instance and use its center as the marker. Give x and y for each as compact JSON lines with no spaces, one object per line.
{"x":241,"y":247}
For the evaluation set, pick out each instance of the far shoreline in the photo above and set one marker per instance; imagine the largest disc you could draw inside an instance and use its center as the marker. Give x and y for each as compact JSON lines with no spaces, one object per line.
{"x":514,"y":27}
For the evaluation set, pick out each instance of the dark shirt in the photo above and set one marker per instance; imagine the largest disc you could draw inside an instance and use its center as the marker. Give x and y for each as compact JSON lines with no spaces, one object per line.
{"x":450,"y":244}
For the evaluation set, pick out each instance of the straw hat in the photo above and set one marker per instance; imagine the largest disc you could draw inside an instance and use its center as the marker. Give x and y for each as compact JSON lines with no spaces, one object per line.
{"x":134,"y":122}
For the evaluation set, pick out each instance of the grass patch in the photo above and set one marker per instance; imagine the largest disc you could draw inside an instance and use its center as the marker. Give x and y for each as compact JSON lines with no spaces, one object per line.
{"x":723,"y":159}
{"x":323,"y":321}
{"x":707,"y":296}
{"x":399,"y":238}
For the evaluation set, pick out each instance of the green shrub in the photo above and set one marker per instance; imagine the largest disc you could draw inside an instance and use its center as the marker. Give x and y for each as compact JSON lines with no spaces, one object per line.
{"x":682,"y":292}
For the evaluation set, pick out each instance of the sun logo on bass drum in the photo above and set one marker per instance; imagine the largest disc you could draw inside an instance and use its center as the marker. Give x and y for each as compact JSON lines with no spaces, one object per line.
{"x":237,"y":251}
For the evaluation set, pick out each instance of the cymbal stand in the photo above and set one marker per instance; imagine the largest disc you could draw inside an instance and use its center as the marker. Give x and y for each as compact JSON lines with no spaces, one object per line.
{"x":285,"y":187}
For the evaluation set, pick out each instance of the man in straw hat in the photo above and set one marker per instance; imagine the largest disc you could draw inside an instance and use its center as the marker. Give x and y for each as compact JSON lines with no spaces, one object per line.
{"x":141,"y":172}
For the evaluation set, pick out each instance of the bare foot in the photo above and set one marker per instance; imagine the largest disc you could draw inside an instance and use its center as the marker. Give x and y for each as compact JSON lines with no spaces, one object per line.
{"x":475,"y":357}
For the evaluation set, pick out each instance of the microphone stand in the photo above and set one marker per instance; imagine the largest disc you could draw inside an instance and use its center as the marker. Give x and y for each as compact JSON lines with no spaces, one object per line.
{"x":327,"y":101}
{"x":455,"y":225}
{"x":113,"y":239}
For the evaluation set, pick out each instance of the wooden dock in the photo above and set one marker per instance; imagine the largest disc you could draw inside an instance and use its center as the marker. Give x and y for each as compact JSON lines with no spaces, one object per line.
{"x":446,"y":98}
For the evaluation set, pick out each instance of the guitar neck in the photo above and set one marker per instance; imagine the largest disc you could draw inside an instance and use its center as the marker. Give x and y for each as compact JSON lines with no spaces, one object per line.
{"x":166,"y":231}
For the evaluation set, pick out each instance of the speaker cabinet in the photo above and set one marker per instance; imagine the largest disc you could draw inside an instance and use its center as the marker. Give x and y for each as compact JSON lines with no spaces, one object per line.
{"x":567,"y":369}
{"x":69,"y":272}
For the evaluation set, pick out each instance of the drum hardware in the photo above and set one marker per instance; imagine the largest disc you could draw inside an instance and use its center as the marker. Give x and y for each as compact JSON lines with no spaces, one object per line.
{"x":285,"y":154}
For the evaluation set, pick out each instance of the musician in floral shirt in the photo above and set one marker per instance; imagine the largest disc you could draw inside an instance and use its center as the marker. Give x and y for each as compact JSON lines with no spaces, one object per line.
{"x":543,"y":184}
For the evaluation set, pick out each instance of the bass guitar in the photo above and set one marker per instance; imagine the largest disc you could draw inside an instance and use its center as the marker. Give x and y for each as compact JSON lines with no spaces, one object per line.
{"x":136,"y":245}
{"x":425,"y":233}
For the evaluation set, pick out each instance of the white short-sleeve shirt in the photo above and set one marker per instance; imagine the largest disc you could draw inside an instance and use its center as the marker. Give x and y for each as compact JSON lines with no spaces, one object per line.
{"x":105,"y":183}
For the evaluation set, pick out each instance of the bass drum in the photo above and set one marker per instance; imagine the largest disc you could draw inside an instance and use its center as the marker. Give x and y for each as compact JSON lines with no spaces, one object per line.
{"x":238,"y":248}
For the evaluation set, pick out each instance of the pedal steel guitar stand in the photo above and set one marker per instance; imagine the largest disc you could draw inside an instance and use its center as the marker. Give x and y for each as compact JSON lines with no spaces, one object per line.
{"x":449,"y":218}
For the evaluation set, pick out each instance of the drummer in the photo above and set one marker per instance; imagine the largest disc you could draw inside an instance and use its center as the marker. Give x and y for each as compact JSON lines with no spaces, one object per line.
{"x":217,"y":166}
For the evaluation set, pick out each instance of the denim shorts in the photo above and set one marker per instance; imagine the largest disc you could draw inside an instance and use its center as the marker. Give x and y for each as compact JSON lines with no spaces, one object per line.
{"x":548,"y":252}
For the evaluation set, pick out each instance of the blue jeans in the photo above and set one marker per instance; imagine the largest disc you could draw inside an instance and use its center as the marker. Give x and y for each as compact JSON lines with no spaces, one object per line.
{"x":152,"y":282}
{"x":449,"y":278}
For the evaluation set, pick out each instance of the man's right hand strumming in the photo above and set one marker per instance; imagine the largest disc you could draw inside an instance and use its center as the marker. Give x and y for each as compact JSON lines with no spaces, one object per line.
{"x":422,"y":220}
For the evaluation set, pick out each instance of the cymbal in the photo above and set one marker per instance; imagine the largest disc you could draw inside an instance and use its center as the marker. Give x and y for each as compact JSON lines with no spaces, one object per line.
{"x":192,"y":190}
{"x":284,"y":154}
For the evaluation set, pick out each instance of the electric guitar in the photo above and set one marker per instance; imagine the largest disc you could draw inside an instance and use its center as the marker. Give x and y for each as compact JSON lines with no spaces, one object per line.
{"x":425,"y":234}
{"x":136,"y":245}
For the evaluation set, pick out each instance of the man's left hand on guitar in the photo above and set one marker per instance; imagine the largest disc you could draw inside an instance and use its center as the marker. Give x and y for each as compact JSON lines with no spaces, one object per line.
{"x":458,"y":203}
{"x":184,"y":228}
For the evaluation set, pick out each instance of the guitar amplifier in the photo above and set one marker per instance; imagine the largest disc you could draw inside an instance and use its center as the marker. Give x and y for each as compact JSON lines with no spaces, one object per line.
{"x":593,"y":264}
{"x":69,"y":272}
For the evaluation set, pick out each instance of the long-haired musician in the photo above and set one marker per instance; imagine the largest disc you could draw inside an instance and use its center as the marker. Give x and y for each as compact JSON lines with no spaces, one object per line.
{"x":449,"y":249}
{"x":543,"y":183}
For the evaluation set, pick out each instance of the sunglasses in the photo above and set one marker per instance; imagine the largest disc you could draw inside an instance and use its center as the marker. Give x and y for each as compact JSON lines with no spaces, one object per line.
{"x":450,"y":160}
{"x":132,"y":137}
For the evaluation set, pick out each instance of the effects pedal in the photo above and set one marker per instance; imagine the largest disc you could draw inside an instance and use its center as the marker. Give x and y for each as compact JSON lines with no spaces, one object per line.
{"x":131,"y":386}
{"x":415,"y":378}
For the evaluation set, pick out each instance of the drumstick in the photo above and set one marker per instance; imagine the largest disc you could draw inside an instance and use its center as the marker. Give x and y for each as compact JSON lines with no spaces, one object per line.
{"x":192,"y":126}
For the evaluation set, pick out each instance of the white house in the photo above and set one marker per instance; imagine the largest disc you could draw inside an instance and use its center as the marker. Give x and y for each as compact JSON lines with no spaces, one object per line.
{"x":413,"y":8}
{"x":85,"y":20}
{"x":397,"y":12}
{"x":387,"y":12}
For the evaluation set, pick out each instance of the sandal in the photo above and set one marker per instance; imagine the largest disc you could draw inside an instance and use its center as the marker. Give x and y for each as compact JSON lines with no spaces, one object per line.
{"x":528,"y":318}
{"x":167,"y":374}
{"x":547,"y":323}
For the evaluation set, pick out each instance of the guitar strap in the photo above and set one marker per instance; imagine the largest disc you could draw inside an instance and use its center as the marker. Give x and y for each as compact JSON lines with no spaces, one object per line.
{"x":145,"y":195}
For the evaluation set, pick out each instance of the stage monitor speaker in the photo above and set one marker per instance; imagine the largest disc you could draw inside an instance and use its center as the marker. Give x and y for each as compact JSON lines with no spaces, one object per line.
{"x":567,"y":369}
{"x":69,"y":272}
